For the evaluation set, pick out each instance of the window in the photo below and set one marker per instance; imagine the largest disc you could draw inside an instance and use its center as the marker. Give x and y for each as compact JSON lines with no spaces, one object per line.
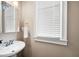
{"x":51,"y":22}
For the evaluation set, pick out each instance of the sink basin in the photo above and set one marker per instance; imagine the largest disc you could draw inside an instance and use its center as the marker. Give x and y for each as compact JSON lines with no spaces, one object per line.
{"x":12,"y":49}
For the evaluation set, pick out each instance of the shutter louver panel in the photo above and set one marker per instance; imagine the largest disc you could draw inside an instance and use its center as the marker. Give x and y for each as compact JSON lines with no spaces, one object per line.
{"x":48,"y":24}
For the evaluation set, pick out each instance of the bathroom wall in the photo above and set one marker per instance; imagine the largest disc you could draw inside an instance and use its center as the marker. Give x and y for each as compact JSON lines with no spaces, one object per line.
{"x":53,"y":50}
{"x":19,"y":22}
{"x":8,"y":36}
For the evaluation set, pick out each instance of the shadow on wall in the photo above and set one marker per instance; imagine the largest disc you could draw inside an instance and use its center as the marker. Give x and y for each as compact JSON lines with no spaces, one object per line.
{"x":26,"y":52}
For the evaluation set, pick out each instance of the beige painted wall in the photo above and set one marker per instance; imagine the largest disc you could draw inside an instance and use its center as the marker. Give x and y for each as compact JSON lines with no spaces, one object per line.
{"x":45,"y":49}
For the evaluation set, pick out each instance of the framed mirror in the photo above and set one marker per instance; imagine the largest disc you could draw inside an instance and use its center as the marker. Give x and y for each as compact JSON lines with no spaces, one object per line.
{"x":7,"y":17}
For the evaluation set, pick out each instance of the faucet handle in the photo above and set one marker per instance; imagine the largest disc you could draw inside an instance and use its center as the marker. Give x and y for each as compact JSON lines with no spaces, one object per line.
{"x":11,"y":41}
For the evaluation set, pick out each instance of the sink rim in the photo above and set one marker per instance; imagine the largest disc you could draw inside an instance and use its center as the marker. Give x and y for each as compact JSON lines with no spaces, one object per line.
{"x":10,"y":53}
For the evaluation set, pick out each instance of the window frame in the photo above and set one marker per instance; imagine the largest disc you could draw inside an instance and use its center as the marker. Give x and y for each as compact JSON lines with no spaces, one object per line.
{"x":62,"y":41}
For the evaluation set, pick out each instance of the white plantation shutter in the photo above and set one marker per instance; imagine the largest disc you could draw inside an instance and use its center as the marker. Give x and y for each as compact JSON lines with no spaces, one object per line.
{"x":51,"y":20}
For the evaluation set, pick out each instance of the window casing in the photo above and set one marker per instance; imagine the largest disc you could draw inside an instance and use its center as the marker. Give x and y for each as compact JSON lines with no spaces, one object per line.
{"x":51,"y":22}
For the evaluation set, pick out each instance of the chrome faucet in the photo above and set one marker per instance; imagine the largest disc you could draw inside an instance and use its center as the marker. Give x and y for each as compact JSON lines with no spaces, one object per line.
{"x":7,"y":43}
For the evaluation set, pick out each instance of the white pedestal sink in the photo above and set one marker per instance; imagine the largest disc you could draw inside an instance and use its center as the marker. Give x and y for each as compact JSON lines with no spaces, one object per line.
{"x":12,"y":49}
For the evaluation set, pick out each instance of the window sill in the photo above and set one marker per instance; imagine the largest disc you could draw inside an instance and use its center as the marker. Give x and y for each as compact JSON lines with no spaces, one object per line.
{"x":58,"y":42}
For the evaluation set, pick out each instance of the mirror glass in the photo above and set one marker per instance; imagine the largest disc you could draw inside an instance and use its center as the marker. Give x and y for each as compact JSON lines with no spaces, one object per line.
{"x":7,"y":17}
